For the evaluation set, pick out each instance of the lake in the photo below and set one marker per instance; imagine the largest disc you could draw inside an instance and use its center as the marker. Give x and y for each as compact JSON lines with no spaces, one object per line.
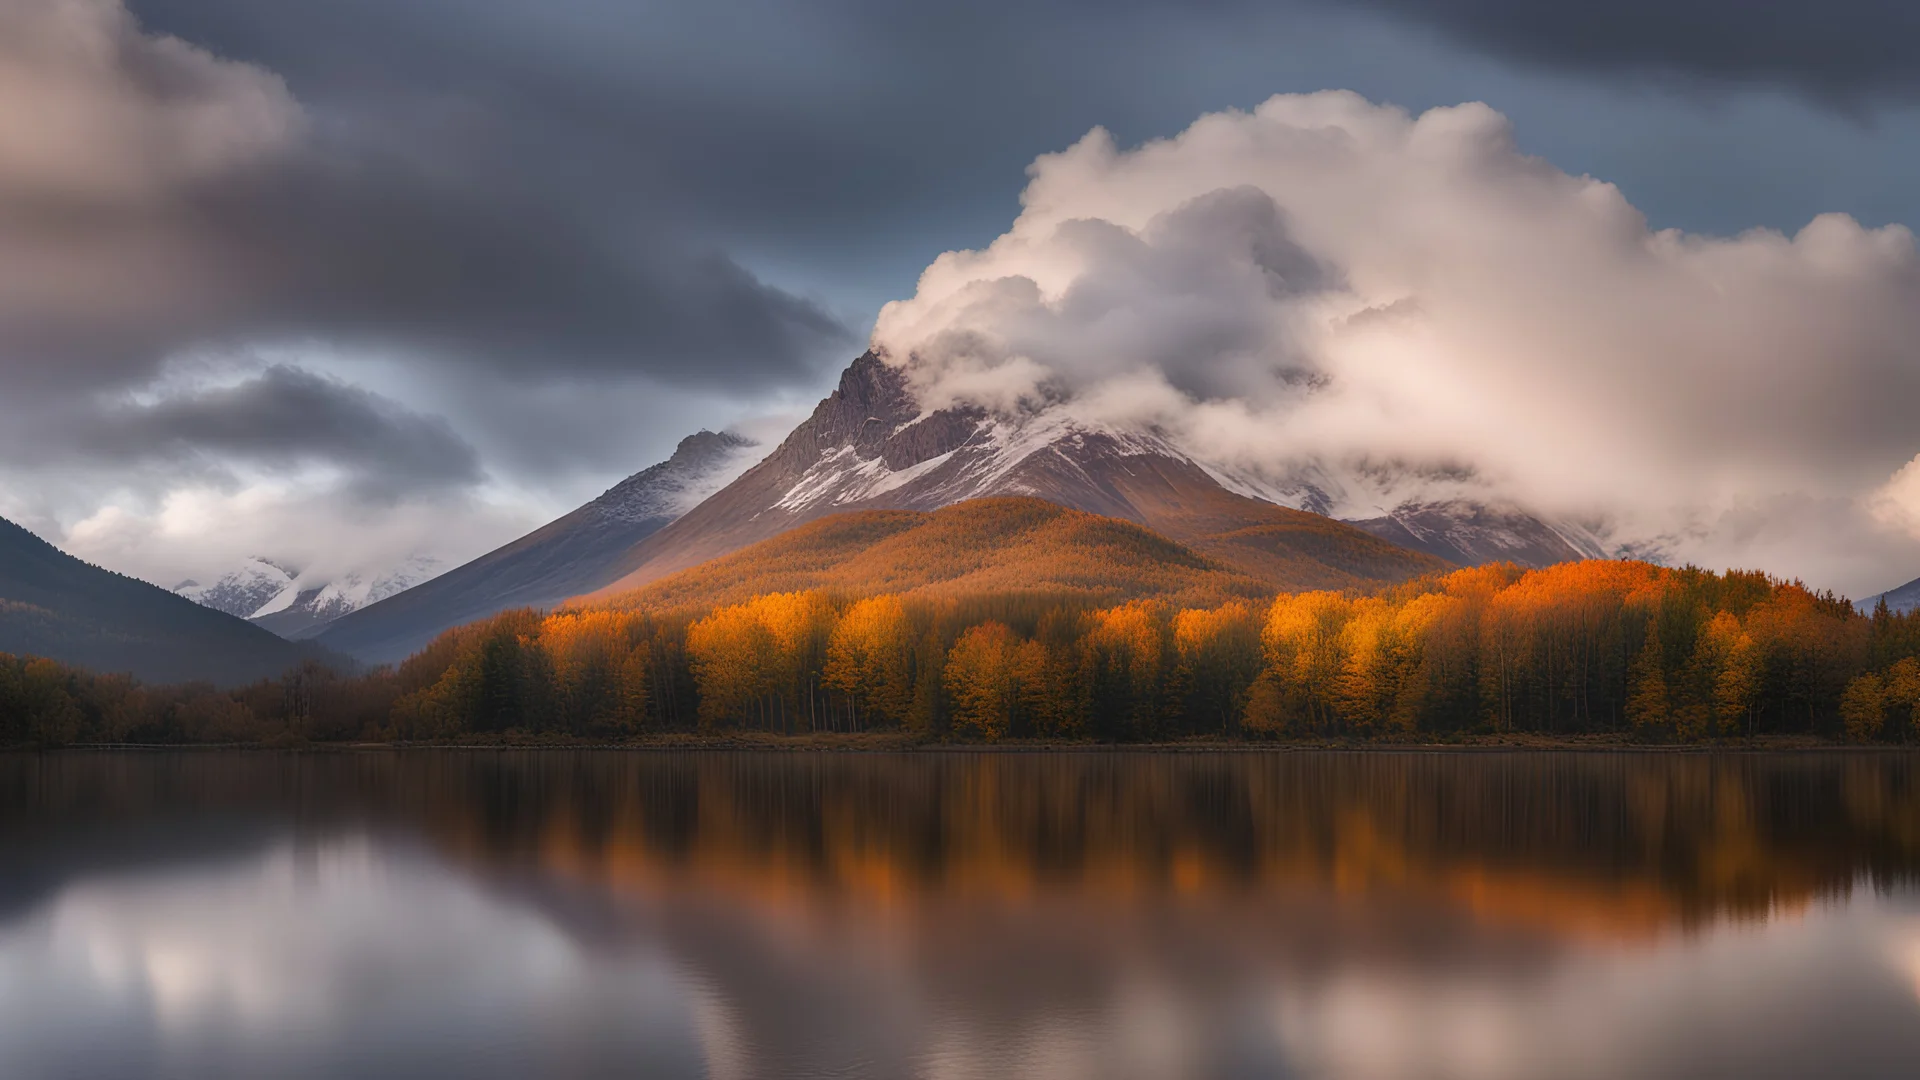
{"x":947,"y":915}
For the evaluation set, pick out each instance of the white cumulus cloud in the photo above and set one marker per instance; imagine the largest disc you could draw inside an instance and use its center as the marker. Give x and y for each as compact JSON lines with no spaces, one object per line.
{"x":1411,"y":306}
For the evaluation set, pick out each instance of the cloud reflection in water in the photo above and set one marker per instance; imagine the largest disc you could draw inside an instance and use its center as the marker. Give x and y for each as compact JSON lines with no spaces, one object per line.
{"x":977,"y":916}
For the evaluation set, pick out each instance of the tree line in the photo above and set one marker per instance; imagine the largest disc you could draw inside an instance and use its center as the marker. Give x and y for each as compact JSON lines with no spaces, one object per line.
{"x":1586,"y":647}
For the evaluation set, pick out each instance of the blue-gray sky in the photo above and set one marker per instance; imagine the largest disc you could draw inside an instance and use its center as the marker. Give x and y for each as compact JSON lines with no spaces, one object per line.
{"x":438,"y":269}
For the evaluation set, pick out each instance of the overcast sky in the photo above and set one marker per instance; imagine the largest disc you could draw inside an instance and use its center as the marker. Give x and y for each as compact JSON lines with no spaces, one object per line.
{"x":345,"y":280}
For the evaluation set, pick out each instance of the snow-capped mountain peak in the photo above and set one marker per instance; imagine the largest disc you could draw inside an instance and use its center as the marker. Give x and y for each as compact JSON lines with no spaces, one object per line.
{"x":871,"y":445}
{"x":297,"y":604}
{"x":875,"y":446}
{"x":243,"y":591}
{"x":702,"y":464}
{"x":577,"y":553}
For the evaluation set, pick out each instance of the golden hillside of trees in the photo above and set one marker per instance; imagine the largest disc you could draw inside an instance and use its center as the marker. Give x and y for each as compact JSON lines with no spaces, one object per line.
{"x":1579,"y":648}
{"x":984,"y":546}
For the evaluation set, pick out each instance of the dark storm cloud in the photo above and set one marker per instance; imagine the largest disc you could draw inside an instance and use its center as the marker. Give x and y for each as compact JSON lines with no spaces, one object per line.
{"x":285,"y":418}
{"x":161,"y":197}
{"x":569,"y":225}
{"x":379,"y":251}
{"x":550,"y":193}
{"x":1845,"y":51}
{"x":360,"y":254}
{"x":855,"y":118}
{"x":550,"y":190}
{"x":845,"y":129}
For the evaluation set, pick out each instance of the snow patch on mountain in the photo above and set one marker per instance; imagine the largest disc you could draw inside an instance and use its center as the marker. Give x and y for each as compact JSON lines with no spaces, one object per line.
{"x":351,"y":592}
{"x":872,"y":445}
{"x":701,"y":465}
{"x":990,"y":451}
{"x":242,"y":591}
{"x":295,"y":604}
{"x":279,"y":602}
{"x":822,"y":481}
{"x":885,"y":479}
{"x":1290,"y":493}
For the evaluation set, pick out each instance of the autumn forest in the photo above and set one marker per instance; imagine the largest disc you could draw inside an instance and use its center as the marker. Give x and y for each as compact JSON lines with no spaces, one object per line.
{"x":1627,"y":648}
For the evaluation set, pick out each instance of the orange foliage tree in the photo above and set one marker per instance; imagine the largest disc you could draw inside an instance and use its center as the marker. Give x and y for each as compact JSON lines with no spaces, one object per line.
{"x":870,"y":661}
{"x":1680,"y":654}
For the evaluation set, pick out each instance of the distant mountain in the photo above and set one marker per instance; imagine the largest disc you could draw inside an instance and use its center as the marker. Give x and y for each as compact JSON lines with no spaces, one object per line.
{"x":1901,"y":600}
{"x":297,"y":605}
{"x":869,"y":445}
{"x":1473,"y":533}
{"x":309,"y":604}
{"x":54,"y":605}
{"x":242,"y":591}
{"x":978,"y":547}
{"x":576,"y":554}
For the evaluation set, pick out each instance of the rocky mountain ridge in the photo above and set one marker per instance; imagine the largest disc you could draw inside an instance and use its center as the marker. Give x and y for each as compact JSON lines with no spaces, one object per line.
{"x":296,"y":605}
{"x":869,"y":445}
{"x":574,"y":554}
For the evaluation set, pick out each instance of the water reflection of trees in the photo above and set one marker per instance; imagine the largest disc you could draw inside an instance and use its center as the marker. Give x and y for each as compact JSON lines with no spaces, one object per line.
{"x":1610,"y":844}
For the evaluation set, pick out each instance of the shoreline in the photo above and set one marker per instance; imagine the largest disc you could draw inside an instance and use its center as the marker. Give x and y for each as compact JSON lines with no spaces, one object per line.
{"x":898,"y":743}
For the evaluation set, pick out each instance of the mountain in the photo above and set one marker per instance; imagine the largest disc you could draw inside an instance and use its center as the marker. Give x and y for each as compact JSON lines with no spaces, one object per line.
{"x":981,"y":546}
{"x":242,"y":591}
{"x":1901,"y":600}
{"x":579,"y":553}
{"x":297,"y":605}
{"x":54,"y":605}
{"x":1471,"y":533}
{"x":308,"y":605}
{"x":869,"y":446}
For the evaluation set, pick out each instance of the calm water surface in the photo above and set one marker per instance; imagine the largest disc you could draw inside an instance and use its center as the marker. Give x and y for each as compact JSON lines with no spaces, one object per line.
{"x":481,"y":914}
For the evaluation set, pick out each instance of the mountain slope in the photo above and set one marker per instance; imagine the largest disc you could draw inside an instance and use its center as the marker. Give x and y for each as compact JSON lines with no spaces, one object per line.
{"x":575,"y":554}
{"x":982,"y":546}
{"x":868,"y":445}
{"x":1472,"y":534}
{"x":297,"y":605}
{"x":242,"y":591}
{"x":54,"y":605}
{"x":306,"y":607}
{"x":1899,"y":600}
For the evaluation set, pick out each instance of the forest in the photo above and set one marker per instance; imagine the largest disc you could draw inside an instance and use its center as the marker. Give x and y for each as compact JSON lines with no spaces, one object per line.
{"x":1599,"y":647}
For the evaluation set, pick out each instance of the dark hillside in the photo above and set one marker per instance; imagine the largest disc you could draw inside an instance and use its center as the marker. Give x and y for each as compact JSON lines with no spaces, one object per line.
{"x":54,"y":605}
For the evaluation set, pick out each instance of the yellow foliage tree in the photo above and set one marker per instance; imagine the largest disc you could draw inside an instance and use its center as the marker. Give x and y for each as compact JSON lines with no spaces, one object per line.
{"x":1306,"y":653}
{"x":870,"y":660}
{"x":1266,"y":712}
{"x":760,"y":660}
{"x":1647,"y":702}
{"x":1124,"y":655}
{"x":1863,"y":707}
{"x":598,"y":669}
{"x":1733,"y":666}
{"x":1045,"y":690}
{"x":981,"y":678}
{"x":732,"y":653}
{"x":1216,"y":659}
